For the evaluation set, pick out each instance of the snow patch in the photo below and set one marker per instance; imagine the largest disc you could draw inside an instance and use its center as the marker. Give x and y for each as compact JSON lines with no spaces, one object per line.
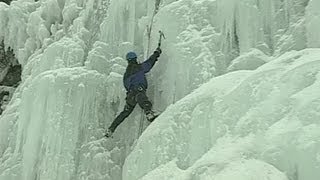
{"x":249,"y":61}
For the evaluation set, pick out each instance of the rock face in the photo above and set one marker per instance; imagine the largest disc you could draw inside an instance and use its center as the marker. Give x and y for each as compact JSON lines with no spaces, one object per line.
{"x":6,"y":1}
{"x":10,"y":75}
{"x":3,"y":99}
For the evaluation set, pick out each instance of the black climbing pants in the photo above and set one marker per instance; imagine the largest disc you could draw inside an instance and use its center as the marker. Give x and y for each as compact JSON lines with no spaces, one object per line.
{"x":133,"y":97}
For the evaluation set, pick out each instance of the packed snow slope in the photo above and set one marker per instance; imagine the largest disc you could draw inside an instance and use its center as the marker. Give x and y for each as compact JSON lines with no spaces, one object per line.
{"x":238,"y":83}
{"x":261,"y":124}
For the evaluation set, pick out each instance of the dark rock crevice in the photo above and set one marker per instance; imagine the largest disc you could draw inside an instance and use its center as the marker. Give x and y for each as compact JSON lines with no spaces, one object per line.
{"x":10,"y":75}
{"x":13,"y":76}
{"x":6,"y":1}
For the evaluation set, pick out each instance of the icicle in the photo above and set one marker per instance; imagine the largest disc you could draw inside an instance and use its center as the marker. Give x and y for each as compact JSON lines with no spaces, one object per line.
{"x":313,"y":24}
{"x":149,"y":29}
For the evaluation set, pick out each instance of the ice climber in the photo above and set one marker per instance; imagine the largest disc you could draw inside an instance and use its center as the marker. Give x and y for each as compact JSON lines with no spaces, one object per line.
{"x":135,"y":83}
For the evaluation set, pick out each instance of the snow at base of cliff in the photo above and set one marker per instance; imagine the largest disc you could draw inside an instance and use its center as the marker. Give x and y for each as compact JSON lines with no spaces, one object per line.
{"x":261,"y":124}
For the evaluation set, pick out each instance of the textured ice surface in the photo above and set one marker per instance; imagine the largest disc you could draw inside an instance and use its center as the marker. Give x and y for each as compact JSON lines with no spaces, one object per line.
{"x":242,"y":125}
{"x":249,"y":61}
{"x":313,"y":23}
{"x":259,"y":121}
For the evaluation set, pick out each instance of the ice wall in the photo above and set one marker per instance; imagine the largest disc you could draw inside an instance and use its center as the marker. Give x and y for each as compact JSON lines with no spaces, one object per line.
{"x":72,"y":56}
{"x":313,"y":21}
{"x":56,"y":115}
{"x":260,"y":124}
{"x":53,"y":126}
{"x":204,"y":36}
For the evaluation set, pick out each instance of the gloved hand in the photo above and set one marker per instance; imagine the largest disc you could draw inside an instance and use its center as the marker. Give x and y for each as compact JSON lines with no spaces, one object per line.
{"x":158,"y":51}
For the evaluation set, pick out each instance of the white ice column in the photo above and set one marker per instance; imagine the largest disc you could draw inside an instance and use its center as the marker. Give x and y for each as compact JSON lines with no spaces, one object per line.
{"x":313,"y":23}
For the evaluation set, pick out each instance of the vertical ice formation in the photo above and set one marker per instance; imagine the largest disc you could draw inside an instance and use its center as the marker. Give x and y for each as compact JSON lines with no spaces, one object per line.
{"x":312,"y":23}
{"x":51,"y":131}
{"x":51,"y":126}
{"x":72,"y":57}
{"x":203,"y":37}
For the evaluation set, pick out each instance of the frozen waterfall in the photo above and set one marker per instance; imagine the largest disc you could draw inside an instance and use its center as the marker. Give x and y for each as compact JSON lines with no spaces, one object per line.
{"x":238,"y":83}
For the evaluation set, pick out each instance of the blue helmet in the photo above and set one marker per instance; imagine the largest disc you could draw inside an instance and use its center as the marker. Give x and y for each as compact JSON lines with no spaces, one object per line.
{"x":131,"y":56}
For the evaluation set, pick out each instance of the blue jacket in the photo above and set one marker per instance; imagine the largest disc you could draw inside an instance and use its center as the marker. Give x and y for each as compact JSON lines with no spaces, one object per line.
{"x":134,"y":76}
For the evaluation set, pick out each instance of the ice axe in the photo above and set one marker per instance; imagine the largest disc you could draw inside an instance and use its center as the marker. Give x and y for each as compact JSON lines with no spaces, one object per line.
{"x":161,"y":36}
